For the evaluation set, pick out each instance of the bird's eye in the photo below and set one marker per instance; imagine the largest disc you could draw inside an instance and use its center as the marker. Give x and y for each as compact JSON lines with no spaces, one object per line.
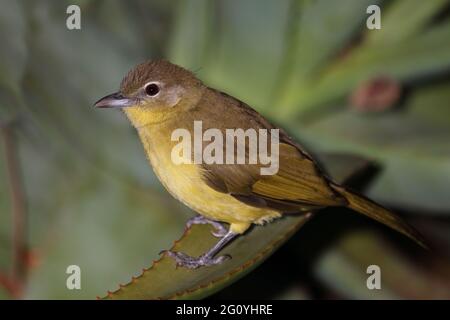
{"x":152,"y":89}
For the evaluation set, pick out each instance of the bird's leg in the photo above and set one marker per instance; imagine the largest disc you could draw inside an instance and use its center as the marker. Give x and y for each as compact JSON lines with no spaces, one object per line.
{"x":206,"y":259}
{"x":199,"y":219}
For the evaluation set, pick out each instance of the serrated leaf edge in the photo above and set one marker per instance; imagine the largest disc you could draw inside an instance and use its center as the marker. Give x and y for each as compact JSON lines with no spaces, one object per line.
{"x":246,"y":265}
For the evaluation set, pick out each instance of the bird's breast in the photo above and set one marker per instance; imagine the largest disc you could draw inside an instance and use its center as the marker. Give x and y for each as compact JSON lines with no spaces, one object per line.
{"x":185,"y":183}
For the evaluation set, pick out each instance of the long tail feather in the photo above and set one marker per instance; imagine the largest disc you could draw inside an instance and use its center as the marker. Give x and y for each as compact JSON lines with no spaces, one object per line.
{"x":375,"y":211}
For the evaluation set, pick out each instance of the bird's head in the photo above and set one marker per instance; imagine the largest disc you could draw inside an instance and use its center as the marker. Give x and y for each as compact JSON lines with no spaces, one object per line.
{"x":153,"y":91}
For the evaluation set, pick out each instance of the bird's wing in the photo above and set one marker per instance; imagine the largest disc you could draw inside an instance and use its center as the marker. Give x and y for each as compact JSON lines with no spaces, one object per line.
{"x":299,"y":183}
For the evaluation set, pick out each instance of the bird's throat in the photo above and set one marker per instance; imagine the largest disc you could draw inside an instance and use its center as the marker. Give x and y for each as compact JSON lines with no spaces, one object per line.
{"x":140,"y":117}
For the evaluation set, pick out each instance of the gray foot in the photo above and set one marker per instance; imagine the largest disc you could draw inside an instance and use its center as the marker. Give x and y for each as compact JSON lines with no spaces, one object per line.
{"x":205,"y":260}
{"x":220,"y":229}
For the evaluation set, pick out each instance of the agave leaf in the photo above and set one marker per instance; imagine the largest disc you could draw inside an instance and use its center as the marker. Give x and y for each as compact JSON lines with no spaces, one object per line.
{"x":246,"y":60}
{"x":344,"y":268}
{"x":320,"y":29}
{"x":60,"y":108}
{"x":78,"y":223}
{"x":223,"y":43}
{"x":412,"y":144}
{"x":407,"y":18}
{"x":426,"y":54}
{"x":164,"y":281}
{"x":13,"y":56}
{"x":5,"y":209}
{"x":192,"y":33}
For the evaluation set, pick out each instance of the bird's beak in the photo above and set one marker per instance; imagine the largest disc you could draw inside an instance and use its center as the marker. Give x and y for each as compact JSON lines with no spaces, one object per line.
{"x":115,"y":100}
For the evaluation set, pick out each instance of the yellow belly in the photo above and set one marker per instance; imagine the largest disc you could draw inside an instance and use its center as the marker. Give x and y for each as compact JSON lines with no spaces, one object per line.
{"x":185,"y":183}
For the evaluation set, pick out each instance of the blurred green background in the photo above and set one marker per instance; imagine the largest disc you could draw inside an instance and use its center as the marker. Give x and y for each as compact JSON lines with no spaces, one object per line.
{"x":80,"y":178}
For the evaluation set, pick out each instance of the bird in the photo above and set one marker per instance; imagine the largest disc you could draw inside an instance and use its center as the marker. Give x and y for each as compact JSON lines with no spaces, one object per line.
{"x":159,"y":97}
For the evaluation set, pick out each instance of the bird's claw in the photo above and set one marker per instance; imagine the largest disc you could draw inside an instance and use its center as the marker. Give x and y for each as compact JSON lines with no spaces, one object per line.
{"x":219,"y":231}
{"x":186,"y":261}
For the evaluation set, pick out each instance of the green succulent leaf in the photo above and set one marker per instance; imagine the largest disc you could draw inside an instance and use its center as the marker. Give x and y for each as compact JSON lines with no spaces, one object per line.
{"x":13,"y":55}
{"x":192,"y":33}
{"x":320,"y":30}
{"x":406,"y":61}
{"x":344,"y":268}
{"x":412,"y":144}
{"x":13,"y":58}
{"x":222,"y":42}
{"x":164,"y":281}
{"x":405,"y":25}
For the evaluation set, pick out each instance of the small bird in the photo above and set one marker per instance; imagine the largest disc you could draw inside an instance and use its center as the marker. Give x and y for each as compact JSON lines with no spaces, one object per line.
{"x":159,"y":97}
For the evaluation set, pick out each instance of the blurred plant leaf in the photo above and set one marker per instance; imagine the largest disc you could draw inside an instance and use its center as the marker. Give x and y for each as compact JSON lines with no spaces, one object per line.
{"x":13,"y":56}
{"x":79,"y":225}
{"x":426,"y":54}
{"x":192,"y":32}
{"x":223,"y":43}
{"x":62,"y":104}
{"x":407,"y":18}
{"x":412,"y":144}
{"x":320,"y":30}
{"x":343,"y":268}
{"x":164,"y":281}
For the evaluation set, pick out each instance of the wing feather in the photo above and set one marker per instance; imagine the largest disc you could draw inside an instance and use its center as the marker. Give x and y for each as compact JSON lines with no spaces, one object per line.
{"x":298,"y":184}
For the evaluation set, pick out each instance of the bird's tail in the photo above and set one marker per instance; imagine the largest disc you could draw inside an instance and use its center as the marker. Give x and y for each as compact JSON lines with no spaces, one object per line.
{"x":375,"y":211}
